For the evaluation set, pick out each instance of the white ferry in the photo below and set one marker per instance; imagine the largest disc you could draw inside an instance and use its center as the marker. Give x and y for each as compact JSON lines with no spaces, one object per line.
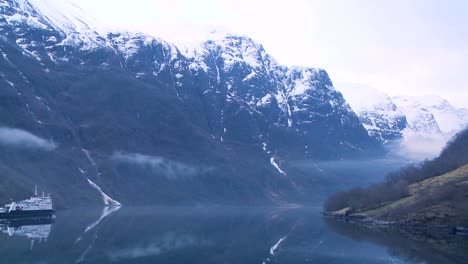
{"x":34,"y":207}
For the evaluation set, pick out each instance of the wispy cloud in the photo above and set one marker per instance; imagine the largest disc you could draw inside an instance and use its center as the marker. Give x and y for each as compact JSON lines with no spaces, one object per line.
{"x":169,"y":168}
{"x":420,"y":148}
{"x":19,"y":138}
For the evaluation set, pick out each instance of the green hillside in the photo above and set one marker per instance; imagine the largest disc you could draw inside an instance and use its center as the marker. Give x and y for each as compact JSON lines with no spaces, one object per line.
{"x":434,"y":192}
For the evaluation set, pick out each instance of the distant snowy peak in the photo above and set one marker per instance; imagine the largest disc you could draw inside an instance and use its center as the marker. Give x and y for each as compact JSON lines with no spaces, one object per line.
{"x":420,"y":120}
{"x":365,"y":98}
{"x":420,"y":125}
{"x":376,"y":110}
{"x":427,"y":116}
{"x":449,"y":119}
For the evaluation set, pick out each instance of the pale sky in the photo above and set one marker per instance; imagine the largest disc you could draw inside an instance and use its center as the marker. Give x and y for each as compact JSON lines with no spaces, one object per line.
{"x":412,"y":47}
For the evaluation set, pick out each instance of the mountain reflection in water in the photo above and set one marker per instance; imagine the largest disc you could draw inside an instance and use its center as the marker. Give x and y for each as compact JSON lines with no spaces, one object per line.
{"x":415,"y":247}
{"x":203,"y":235}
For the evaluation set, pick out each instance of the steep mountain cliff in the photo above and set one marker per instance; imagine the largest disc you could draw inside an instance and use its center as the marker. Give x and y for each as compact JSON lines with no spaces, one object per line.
{"x":96,"y":116}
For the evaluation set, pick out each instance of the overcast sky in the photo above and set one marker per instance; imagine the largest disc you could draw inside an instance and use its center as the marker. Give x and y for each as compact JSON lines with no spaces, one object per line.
{"x":410,"y":47}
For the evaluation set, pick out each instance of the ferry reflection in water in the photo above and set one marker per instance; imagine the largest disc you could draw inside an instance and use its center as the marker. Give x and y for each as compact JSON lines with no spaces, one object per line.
{"x":37,"y":230}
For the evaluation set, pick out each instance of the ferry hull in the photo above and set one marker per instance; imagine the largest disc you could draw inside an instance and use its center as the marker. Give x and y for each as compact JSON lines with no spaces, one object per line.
{"x":27,"y":214}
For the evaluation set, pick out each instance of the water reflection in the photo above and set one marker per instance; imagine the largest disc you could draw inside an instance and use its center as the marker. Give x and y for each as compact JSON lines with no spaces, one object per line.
{"x":434,"y":247}
{"x":106,"y":211}
{"x":198,"y":235}
{"x":35,"y":229}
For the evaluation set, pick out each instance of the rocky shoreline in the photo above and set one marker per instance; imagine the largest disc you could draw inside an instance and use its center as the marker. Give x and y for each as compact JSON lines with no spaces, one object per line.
{"x":404,"y":226}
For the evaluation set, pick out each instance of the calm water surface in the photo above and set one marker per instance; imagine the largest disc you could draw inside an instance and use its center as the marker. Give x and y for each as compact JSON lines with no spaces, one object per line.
{"x":212,"y":235}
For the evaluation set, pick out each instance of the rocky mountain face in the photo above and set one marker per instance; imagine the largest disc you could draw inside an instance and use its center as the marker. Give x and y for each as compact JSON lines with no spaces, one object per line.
{"x":294,"y":110}
{"x":99,"y":116}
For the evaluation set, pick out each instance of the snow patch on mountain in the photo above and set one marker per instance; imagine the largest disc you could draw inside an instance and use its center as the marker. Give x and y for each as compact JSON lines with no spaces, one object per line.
{"x":233,"y":49}
{"x":129,"y":43}
{"x":276,"y":166}
{"x":302,"y":80}
{"x":108,"y":201}
{"x":93,"y":163}
{"x":272,"y":159}
{"x":275,"y":246}
{"x":192,"y":44}
{"x":26,"y":16}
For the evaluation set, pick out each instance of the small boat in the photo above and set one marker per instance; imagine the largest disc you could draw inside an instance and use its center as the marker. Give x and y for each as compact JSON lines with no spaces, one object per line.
{"x":34,"y":207}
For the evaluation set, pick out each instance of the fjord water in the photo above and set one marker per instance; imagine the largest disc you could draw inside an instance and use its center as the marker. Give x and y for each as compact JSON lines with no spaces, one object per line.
{"x":204,"y":235}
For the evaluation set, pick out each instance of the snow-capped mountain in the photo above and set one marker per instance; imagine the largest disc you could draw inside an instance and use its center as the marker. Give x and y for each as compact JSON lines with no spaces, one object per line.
{"x":444,"y":117}
{"x":421,"y":125}
{"x":168,"y":108}
{"x":420,"y":120}
{"x":376,"y":110}
{"x":297,"y":99}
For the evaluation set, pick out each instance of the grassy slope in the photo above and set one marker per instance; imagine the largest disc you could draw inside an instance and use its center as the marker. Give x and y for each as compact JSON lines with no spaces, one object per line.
{"x":437,"y":200}
{"x":458,"y":175}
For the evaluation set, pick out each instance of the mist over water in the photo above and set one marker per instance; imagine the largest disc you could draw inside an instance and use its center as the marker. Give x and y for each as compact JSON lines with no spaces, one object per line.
{"x":418,"y":148}
{"x":338,"y":175}
{"x":331,"y":176}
